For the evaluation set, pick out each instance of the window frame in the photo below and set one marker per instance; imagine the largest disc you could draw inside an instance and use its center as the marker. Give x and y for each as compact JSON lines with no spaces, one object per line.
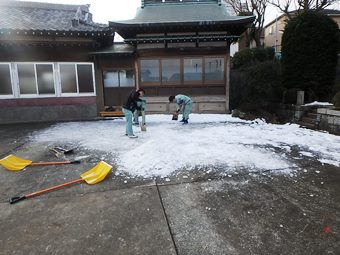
{"x":182,"y":82}
{"x":171,"y":83}
{"x":14,"y":76}
{"x":224,"y":70}
{"x":14,"y":90}
{"x":150,"y":83}
{"x":119,"y":70}
{"x":194,"y":82}
{"x":78,"y":94}
{"x":37,"y":95}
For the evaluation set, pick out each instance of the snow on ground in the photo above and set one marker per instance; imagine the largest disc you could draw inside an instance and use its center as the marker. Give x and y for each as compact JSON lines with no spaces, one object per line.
{"x":210,"y":140}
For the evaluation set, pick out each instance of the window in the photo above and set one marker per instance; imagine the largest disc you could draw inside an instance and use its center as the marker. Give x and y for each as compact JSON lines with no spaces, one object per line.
{"x":68,"y":78}
{"x":76,"y":78}
{"x":85,"y":78}
{"x":126,"y":78}
{"x":35,"y":79}
{"x":214,"y":69}
{"x":150,"y":70}
{"x":171,"y":70}
{"x":119,"y":78}
{"x":192,"y":69}
{"x":5,"y":80}
{"x":45,"y":79}
{"x":111,"y":79}
{"x":25,"y":79}
{"x":183,"y":70}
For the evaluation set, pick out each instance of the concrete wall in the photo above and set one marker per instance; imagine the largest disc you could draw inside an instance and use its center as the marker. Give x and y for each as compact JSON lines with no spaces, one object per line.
{"x":201,"y":104}
{"x":329,"y":120}
{"x":47,"y":109}
{"x":47,"y":113}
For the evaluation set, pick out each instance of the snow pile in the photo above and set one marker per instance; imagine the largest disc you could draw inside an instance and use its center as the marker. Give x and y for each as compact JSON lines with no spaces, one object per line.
{"x":316,"y":103}
{"x":210,"y":140}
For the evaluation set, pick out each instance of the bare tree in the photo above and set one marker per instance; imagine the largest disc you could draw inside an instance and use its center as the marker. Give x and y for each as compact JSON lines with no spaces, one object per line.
{"x":251,"y":7}
{"x":286,"y":6}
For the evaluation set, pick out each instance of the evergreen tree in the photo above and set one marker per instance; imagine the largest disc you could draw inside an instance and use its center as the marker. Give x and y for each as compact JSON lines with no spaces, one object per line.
{"x":310,"y":45}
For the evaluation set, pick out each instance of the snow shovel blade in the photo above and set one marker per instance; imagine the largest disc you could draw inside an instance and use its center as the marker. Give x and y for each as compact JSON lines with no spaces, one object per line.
{"x":175,"y":116}
{"x":15,"y":163}
{"x":97,"y":173}
{"x":65,"y":151}
{"x":142,"y":125}
{"x":93,"y":176}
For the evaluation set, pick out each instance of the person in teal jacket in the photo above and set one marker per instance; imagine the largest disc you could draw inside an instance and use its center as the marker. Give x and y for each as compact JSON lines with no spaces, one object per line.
{"x":184,"y":104}
{"x":141,"y":104}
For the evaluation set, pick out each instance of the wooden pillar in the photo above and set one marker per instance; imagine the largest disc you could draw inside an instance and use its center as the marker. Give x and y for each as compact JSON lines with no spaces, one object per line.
{"x":227,"y":80}
{"x":136,"y":73}
{"x":99,"y":84}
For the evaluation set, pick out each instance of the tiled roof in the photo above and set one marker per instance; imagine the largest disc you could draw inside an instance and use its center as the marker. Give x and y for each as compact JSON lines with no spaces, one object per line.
{"x":178,"y":13}
{"x":159,"y":2}
{"x":165,"y":18}
{"x":18,"y":15}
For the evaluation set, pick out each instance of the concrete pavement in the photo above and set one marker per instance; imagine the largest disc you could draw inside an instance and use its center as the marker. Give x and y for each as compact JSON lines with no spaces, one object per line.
{"x":259,"y":213}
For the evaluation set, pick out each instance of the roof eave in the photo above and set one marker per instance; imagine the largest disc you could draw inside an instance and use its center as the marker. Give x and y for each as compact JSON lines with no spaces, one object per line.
{"x":123,"y":24}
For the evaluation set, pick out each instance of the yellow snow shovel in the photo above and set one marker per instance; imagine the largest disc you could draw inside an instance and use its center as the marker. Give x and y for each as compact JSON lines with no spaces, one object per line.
{"x":93,"y":176}
{"x":15,"y":163}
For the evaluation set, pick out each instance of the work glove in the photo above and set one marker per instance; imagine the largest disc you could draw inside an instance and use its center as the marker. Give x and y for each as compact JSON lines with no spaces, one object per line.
{"x":178,"y":110}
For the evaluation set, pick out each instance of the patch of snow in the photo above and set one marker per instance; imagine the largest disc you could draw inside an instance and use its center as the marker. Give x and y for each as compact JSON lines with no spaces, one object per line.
{"x":316,"y":103}
{"x":209,"y":140}
{"x":306,"y":153}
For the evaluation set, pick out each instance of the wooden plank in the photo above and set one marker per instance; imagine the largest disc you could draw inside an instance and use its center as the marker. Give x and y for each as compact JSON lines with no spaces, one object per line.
{"x":112,"y":114}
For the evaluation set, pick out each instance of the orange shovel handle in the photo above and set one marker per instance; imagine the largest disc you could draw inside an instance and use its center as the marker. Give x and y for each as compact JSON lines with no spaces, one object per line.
{"x":54,"y":163}
{"x":19,"y":198}
{"x":52,"y":188}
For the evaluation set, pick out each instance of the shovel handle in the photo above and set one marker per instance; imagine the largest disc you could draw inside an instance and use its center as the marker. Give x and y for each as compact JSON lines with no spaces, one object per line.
{"x":54,"y":163}
{"x":37,"y":193}
{"x":13,"y":200}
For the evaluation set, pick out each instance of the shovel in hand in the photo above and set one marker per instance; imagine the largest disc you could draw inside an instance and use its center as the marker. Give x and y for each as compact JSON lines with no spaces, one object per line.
{"x":175,"y":116}
{"x":142,"y":125}
{"x":15,"y":163}
{"x":93,"y":176}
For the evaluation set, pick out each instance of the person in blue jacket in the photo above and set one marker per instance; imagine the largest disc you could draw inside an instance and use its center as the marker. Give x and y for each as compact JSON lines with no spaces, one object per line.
{"x":129,"y":108}
{"x":184,"y":104}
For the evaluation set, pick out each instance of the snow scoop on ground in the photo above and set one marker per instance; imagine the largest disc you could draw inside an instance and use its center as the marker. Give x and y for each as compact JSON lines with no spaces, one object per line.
{"x":63,"y":150}
{"x":93,"y":176}
{"x":57,"y":153}
{"x":175,"y":116}
{"x":15,"y":163}
{"x":142,"y":125}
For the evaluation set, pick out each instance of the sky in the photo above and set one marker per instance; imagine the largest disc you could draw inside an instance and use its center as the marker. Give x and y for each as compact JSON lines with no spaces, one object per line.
{"x":209,"y":142}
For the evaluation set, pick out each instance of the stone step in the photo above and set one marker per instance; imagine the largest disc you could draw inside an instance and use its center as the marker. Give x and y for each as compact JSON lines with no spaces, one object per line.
{"x":306,"y":124}
{"x":308,"y":120}
{"x":311,"y":115}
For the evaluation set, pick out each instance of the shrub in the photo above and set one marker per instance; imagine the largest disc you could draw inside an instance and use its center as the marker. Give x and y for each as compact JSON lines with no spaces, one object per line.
{"x":336,"y":100}
{"x":248,"y":57}
{"x":258,"y":86}
{"x":243,"y":58}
